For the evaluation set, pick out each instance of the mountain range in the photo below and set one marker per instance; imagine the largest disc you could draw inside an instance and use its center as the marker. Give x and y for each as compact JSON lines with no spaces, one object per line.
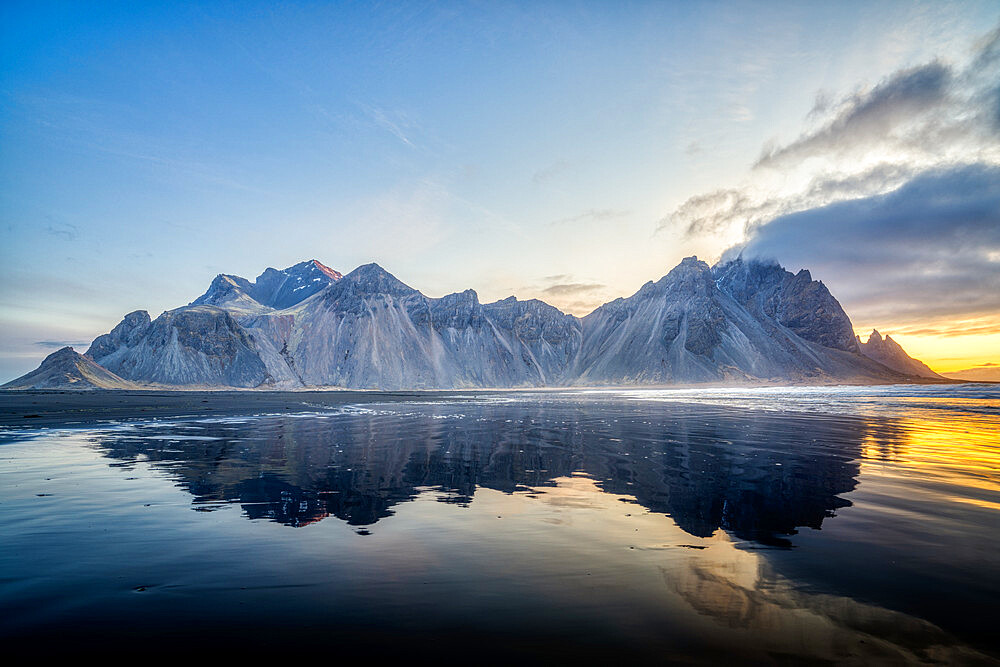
{"x":311,"y":326}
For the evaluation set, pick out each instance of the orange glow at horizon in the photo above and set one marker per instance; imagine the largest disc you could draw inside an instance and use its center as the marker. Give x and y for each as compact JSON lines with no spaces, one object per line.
{"x":946,"y":349}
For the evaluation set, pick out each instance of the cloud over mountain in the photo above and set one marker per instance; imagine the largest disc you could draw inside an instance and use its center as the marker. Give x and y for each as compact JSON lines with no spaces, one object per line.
{"x":930,"y":248}
{"x":893,"y":188}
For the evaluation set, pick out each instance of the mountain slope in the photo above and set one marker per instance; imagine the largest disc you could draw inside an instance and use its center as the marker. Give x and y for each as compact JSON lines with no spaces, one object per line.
{"x":193,"y":345}
{"x":684,"y":328}
{"x":67,"y":369}
{"x":369,"y":330}
{"x":273,"y":289}
{"x":794,"y":301}
{"x":888,"y":352}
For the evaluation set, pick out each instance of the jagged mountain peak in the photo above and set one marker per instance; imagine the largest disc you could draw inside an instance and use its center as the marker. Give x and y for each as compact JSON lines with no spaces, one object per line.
{"x":690,"y":276}
{"x":371,"y":279}
{"x":137,"y":318}
{"x":466,"y":296}
{"x":796,"y":301}
{"x":333,"y":274}
{"x":125,"y":333}
{"x":274,"y":288}
{"x":888,"y":352}
{"x":525,"y":306}
{"x":689,"y":268}
{"x":692,"y":261}
{"x":309,"y":266}
{"x":371,"y":268}
{"x":62,"y":353}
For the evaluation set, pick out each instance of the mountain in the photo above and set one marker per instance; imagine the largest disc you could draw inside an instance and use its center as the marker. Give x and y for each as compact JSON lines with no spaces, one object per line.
{"x":272,"y":289}
{"x":889,"y":353}
{"x":369,"y":330}
{"x":67,"y":369}
{"x":795,"y":301}
{"x":194,"y":345}
{"x":739,"y":322}
{"x":309,"y":325}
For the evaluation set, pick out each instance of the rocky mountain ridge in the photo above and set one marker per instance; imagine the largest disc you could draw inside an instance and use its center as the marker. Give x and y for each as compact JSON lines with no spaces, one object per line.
{"x":309,"y":325}
{"x":889,"y":353}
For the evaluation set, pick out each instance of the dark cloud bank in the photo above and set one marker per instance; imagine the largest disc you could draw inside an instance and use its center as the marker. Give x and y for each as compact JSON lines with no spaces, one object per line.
{"x":929,"y":249}
{"x":901,"y":210}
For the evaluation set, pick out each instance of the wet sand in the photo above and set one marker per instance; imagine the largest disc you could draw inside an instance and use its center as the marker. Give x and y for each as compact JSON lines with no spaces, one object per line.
{"x":35,"y":409}
{"x":54,"y":407}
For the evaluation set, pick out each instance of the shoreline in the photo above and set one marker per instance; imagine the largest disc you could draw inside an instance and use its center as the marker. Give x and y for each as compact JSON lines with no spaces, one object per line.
{"x":43,"y":408}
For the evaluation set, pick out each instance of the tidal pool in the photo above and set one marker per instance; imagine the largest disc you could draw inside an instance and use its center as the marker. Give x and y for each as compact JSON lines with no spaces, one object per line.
{"x":852,"y":525}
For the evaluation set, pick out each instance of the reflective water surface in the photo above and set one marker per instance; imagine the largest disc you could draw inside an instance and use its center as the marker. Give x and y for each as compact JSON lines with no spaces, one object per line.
{"x":849,"y":525}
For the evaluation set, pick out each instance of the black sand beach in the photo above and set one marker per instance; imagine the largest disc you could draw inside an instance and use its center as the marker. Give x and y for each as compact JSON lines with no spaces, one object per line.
{"x":34,"y":409}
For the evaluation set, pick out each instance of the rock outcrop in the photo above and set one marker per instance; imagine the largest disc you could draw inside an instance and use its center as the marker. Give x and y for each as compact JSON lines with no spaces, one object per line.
{"x":273,"y":289}
{"x":194,"y":345}
{"x":67,"y":369}
{"x":795,"y":301}
{"x":889,"y":353}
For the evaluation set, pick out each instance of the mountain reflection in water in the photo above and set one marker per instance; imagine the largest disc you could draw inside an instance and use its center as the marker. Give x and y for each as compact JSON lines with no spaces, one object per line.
{"x":757,"y":475}
{"x":826,"y":525}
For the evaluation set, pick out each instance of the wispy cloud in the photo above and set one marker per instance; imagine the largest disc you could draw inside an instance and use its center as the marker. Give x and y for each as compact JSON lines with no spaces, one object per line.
{"x":551,"y":172}
{"x":872,"y":117}
{"x":393,"y":127}
{"x":949,"y":329}
{"x":568,"y":293}
{"x":720,"y":210}
{"x":59,"y":344}
{"x":568,"y":289}
{"x":96,"y":125}
{"x":867,"y":142}
{"x":396,"y":123}
{"x":593,"y":215}
{"x":63,"y":229}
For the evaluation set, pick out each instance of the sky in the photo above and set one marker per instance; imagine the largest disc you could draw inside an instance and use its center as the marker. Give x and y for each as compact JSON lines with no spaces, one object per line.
{"x":567,"y":151}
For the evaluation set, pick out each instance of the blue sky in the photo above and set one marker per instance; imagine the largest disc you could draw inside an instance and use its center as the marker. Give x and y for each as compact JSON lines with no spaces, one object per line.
{"x":568,"y":151}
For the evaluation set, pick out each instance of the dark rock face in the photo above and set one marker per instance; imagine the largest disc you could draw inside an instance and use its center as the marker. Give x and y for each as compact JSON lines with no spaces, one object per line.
{"x":795,"y":301}
{"x":194,"y":345}
{"x":461,"y":310}
{"x":888,"y":352}
{"x":272,"y":289}
{"x":127,"y":334}
{"x":692,"y":282}
{"x":735,"y":323}
{"x":282,"y":289}
{"x":226,"y":290}
{"x":666,"y":332}
{"x":67,"y":369}
{"x":373,"y":279}
{"x":533,"y":320}
{"x":546,"y":339}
